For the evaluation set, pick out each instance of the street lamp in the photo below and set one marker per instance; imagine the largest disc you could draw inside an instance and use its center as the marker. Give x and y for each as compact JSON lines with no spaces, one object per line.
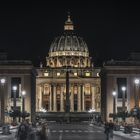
{"x":136,"y":96}
{"x":114,"y":104}
{"x":137,"y":81}
{"x":14,"y":101}
{"x":123,"y":98}
{"x":23,"y":100}
{"x":2,"y":82}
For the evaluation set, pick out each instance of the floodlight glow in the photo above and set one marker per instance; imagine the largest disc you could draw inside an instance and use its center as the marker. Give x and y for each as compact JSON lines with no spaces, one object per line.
{"x":23,"y":93}
{"x":91,"y":110}
{"x":123,"y":88}
{"x":14,"y":88}
{"x":137,"y":81}
{"x":2,"y":81}
{"x":114,"y":93}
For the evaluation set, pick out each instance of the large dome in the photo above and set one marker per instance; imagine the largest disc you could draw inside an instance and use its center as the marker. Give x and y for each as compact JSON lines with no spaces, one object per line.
{"x":68,"y":49}
{"x":68,"y":44}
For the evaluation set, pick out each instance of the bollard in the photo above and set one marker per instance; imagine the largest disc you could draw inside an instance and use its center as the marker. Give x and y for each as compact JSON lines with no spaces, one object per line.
{"x":6,"y":130}
{"x":116,"y":127}
{"x":128,"y":129}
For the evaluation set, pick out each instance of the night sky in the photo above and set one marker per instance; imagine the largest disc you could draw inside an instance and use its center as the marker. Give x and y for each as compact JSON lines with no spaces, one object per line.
{"x":111,"y":29}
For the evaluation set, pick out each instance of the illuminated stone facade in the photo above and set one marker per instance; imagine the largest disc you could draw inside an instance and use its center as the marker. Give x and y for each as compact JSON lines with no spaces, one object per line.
{"x":118,"y":74}
{"x":46,"y":86}
{"x":20,"y":74}
{"x":68,"y":52}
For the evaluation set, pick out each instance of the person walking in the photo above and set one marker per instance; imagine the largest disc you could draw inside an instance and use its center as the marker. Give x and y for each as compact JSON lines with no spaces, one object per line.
{"x":111,"y":128}
{"x":22,"y":131}
{"x":31,"y":133}
{"x":107,"y":130}
{"x":44,"y":132}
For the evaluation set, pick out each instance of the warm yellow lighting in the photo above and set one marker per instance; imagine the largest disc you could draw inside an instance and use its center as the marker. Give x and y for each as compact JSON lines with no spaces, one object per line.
{"x":46,"y":74}
{"x":87,"y":73}
{"x":98,"y":74}
{"x":75,"y":74}
{"x":58,"y":73}
{"x":23,"y":93}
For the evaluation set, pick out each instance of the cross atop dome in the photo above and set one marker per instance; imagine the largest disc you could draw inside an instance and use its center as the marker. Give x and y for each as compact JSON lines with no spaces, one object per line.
{"x":68,"y":24}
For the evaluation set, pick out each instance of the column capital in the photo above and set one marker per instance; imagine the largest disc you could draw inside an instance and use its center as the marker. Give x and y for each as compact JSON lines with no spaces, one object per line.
{"x":72,"y":84}
{"x":54,"y":84}
{"x":80,"y":84}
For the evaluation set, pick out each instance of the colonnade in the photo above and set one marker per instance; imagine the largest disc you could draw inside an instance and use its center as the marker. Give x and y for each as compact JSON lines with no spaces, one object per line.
{"x":77,"y":95}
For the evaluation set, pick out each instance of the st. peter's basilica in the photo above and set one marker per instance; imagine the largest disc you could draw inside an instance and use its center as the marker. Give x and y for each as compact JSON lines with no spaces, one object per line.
{"x":68,"y":53}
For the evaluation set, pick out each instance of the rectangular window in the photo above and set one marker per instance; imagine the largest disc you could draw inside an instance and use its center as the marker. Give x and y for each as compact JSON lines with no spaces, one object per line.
{"x":120,"y":83}
{"x":119,"y":109}
{"x":16,"y":81}
{"x":17,"y":107}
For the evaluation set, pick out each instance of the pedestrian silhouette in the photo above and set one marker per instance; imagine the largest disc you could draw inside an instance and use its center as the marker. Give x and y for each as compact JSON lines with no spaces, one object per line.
{"x":22,"y":131}
{"x":43,"y":132}
{"x":107,"y":130}
{"x":111,"y":128}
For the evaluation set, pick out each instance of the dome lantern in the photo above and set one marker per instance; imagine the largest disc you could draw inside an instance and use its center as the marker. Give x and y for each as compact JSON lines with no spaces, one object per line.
{"x":68,"y":24}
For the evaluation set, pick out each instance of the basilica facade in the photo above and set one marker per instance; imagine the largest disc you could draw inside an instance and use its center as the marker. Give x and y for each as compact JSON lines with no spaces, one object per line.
{"x":120,"y":87}
{"x":68,"y":82}
{"x":19,"y":74}
{"x":68,"y":54}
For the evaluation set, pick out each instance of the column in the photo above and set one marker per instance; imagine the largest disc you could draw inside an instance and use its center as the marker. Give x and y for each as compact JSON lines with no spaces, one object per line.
{"x":89,"y":59}
{"x":54,"y":99}
{"x":51,"y":93}
{"x":83,"y":99}
{"x":37,"y":98}
{"x":2,"y":103}
{"x":40,"y":97}
{"x":62,"y":98}
{"x":72,"y":99}
{"x":79,"y":97}
{"x":81,"y":91}
{"x":0,"y":107}
{"x":93,"y":91}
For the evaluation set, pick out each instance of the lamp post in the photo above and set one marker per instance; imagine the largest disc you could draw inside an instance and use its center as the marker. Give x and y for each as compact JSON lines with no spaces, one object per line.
{"x":123,"y":98}
{"x":2,"y":82}
{"x":114,"y":104}
{"x":136,"y":97}
{"x":23,"y":103}
{"x":23,"y":100}
{"x":14,"y":101}
{"x":137,"y":81}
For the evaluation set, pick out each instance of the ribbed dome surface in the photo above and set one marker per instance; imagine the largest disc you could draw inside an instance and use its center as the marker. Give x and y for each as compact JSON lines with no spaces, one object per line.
{"x":68,"y":44}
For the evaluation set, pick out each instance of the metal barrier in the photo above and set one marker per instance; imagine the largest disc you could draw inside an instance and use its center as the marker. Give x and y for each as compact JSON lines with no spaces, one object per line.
{"x":134,"y":130}
{"x":6,"y":129}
